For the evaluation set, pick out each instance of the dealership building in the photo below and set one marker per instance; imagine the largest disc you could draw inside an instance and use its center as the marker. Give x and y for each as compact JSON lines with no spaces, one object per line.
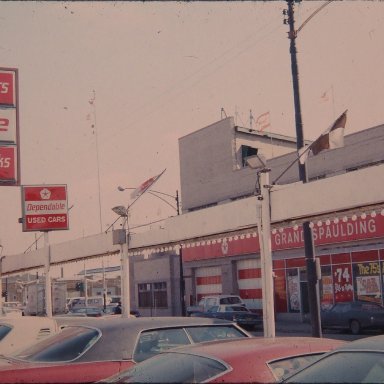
{"x":213,"y":245}
{"x":348,"y":243}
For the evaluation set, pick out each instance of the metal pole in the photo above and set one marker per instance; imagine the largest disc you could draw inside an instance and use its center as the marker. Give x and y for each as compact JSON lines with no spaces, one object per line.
{"x":1,"y":282}
{"x":85,"y":286}
{"x":126,"y":299}
{"x":313,"y":298}
{"x":264,"y":231}
{"x":104,"y":287}
{"x":182,"y":282}
{"x":48,"y":292}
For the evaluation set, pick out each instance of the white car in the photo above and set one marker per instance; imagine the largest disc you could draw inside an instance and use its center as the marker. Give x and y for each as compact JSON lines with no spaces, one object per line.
{"x":20,"y":332}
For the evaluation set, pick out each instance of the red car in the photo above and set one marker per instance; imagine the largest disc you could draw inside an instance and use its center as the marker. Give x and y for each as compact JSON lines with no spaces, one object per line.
{"x":90,"y":349}
{"x":261,"y":360}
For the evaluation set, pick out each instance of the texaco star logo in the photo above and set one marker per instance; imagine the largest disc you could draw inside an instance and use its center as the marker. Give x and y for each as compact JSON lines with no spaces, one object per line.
{"x":224,"y":246}
{"x":45,"y":194}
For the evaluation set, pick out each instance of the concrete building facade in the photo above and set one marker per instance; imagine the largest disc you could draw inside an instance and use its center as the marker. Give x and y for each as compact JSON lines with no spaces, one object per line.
{"x":349,"y":245}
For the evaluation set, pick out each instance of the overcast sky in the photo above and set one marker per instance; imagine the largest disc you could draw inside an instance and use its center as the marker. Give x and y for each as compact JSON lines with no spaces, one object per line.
{"x":157,"y":71}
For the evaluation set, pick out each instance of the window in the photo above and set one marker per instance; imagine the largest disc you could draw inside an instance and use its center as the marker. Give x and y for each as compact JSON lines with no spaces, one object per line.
{"x":247,"y":151}
{"x":67,"y":345}
{"x":4,"y":330}
{"x":153,"y":295}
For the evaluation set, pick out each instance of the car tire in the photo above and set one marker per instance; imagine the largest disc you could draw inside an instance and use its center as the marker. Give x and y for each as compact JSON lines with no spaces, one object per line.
{"x":355,"y":327}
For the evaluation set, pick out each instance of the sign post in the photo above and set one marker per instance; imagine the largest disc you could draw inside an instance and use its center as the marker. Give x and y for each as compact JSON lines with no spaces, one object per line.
{"x":45,"y":208}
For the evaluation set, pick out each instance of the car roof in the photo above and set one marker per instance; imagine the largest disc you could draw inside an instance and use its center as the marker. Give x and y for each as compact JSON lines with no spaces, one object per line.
{"x":271,"y":348}
{"x":122,"y":334}
{"x":373,"y":343}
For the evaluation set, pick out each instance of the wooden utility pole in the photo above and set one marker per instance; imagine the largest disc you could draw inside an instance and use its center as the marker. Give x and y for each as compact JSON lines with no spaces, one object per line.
{"x":313,"y":296}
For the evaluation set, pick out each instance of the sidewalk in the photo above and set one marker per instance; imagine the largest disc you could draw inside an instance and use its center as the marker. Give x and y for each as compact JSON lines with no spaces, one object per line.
{"x":292,"y":323}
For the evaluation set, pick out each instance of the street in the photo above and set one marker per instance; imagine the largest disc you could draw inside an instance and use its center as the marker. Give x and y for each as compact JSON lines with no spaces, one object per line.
{"x":303,"y":329}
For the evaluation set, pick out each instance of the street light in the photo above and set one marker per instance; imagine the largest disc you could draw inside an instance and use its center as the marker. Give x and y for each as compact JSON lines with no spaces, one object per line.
{"x":123,"y":239}
{"x":177,"y":209}
{"x":264,"y":233}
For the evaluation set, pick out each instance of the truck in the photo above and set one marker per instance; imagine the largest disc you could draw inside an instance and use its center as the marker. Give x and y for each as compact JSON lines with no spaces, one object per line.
{"x":208,"y":302}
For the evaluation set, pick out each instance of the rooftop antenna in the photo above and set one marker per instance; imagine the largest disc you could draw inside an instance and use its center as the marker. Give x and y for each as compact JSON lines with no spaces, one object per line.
{"x":223,"y":114}
{"x":251,"y":118}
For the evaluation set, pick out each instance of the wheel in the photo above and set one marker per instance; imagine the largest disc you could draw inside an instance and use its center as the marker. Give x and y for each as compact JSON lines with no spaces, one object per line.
{"x":355,"y":327}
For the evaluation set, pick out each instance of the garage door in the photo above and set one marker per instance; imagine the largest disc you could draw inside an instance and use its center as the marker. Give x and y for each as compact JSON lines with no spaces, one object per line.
{"x":208,"y":282}
{"x":249,"y":281}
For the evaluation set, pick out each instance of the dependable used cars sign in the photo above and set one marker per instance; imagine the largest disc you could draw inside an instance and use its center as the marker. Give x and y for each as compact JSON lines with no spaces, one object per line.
{"x":45,"y":207}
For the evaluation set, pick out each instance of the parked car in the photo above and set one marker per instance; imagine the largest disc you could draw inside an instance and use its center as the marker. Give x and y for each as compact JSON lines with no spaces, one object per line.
{"x":86,"y":312}
{"x":360,"y":361}
{"x":91,"y":349}
{"x":12,"y":309}
{"x":261,"y":360}
{"x":19,"y":332}
{"x":237,"y":313}
{"x":208,"y":302}
{"x":354,"y":316}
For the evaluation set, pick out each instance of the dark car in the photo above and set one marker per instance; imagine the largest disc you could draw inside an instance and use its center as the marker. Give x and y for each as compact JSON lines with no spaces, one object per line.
{"x":86,"y":312}
{"x":360,"y":361}
{"x":91,"y":349}
{"x":354,"y":316}
{"x":237,"y":313}
{"x":255,"y":360}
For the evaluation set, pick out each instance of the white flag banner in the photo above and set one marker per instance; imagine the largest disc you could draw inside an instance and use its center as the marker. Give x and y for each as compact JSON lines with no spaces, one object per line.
{"x":145,"y":186}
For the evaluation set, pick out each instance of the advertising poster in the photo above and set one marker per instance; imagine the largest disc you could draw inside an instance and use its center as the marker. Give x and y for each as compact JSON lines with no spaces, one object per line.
{"x":294,"y":293}
{"x":367,"y":281}
{"x":342,"y":282}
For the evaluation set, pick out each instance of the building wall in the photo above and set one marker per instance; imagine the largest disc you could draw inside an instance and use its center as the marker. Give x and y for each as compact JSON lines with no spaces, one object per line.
{"x":157,"y":268}
{"x":211,"y":171}
{"x":352,"y":243}
{"x":210,"y":162}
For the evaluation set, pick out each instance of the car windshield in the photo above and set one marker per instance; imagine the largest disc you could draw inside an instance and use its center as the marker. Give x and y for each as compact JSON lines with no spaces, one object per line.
{"x":4,"y":330}
{"x":155,"y":341}
{"x":230,"y":300}
{"x":172,"y":368}
{"x":236,"y":308}
{"x":67,"y":345}
{"x":344,"y":367}
{"x":291,"y":364}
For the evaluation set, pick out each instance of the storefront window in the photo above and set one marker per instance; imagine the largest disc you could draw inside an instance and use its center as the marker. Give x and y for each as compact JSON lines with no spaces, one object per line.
{"x":293,"y":285}
{"x":153,"y":295}
{"x":342,"y":282}
{"x":367,"y":281}
{"x":326,"y":287}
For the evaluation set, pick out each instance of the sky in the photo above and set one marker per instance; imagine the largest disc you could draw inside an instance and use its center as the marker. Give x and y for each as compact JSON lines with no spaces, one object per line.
{"x":106,"y":89}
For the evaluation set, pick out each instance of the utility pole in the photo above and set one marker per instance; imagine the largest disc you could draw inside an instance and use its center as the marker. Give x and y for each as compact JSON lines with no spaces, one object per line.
{"x":181,"y":269}
{"x":313,"y":297}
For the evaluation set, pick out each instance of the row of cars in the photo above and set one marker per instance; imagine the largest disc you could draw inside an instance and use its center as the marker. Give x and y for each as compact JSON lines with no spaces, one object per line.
{"x":183,"y":350}
{"x":177,"y":349}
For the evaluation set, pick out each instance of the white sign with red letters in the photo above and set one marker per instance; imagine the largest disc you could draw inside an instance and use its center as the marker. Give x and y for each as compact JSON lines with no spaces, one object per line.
{"x":8,"y":125}
{"x":45,"y":207}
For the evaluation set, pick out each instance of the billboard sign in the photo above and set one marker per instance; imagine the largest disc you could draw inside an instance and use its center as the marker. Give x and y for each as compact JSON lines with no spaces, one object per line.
{"x":9,"y":128}
{"x":45,"y":207}
{"x":7,"y":87}
{"x":8,"y":164}
{"x":8,"y":125}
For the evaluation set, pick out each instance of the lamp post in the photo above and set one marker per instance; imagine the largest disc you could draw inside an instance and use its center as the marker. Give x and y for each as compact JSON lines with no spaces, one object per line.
{"x":264,"y":232}
{"x":1,"y":279}
{"x":123,"y":240}
{"x":177,"y":209}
